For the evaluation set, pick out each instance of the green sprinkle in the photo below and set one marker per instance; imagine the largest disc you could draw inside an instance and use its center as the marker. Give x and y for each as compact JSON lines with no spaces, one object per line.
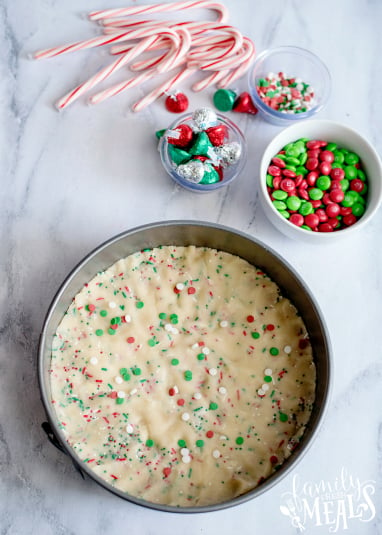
{"x":213,"y":406}
{"x":111,"y":331}
{"x":268,"y":379}
{"x":99,"y":332}
{"x":151,"y":342}
{"x":201,"y":356}
{"x":239,"y":441}
{"x":174,"y":318}
{"x":175,"y":362}
{"x":283,"y":417}
{"x":149,"y":443}
{"x":274,"y":351}
{"x":188,"y":375}
{"x":255,"y":335}
{"x":182,"y":443}
{"x":200,"y":443}
{"x":140,"y":304}
{"x":103,"y":313}
{"x":119,"y":401}
{"x":162,"y":315}
{"x":115,"y":321}
{"x":137,"y":371}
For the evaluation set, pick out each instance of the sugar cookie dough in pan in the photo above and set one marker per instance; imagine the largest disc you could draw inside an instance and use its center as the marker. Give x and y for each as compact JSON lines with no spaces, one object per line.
{"x":182,"y":376}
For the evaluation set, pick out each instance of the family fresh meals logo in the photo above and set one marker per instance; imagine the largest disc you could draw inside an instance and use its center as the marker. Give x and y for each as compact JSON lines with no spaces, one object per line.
{"x":337,"y":504}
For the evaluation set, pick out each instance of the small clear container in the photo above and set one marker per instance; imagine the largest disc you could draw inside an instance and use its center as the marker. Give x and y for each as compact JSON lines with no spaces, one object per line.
{"x":293,"y":62}
{"x":230,"y":173}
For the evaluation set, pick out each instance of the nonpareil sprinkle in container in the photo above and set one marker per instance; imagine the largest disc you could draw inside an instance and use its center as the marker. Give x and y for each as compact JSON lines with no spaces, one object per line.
{"x":288,"y":84}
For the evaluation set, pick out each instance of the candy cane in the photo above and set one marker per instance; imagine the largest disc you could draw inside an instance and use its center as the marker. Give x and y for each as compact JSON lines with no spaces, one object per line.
{"x":160,"y":8}
{"x":174,"y":61}
{"x":241,"y":69}
{"x":119,"y":88}
{"x":162,"y":89}
{"x":105,"y":73}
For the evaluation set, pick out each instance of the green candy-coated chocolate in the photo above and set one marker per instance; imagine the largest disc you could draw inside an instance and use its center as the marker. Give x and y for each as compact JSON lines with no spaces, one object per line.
{"x":361,"y":175}
{"x":285,"y":214}
{"x":316,"y":194}
{"x":323,"y":182}
{"x":344,"y":184}
{"x":338,"y":156}
{"x":351,"y":158}
{"x":331,"y":147}
{"x":224,"y":99}
{"x":279,"y":195}
{"x":293,"y":203}
{"x":350,"y":198}
{"x":211,"y":176}
{"x":201,"y":145}
{"x":178,"y":156}
{"x":350,"y":172}
{"x":306,"y":208}
{"x":358,"y":209}
{"x":279,"y":205}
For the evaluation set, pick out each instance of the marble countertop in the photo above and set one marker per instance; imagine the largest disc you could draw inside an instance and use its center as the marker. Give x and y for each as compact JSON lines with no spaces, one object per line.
{"x":73,"y":179}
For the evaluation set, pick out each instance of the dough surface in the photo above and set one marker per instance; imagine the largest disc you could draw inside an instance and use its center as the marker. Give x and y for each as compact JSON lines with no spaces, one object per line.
{"x":182,"y":376}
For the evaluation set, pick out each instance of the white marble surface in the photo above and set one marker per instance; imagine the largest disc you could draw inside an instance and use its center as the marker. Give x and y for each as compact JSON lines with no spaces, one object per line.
{"x":70,"y":180}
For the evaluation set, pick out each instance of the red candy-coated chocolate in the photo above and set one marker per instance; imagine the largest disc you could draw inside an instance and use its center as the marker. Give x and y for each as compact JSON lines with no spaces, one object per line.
{"x":337,"y":195}
{"x":325,"y":227}
{"x":333,"y":210}
{"x":279,"y":162}
{"x":288,"y":173}
{"x":185,"y":136}
{"x":244,"y":104}
{"x":312,"y":220}
{"x":321,"y":214}
{"x":297,"y":219}
{"x":349,"y":219}
{"x":325,"y":168}
{"x":311,"y":164}
{"x":312,"y":177}
{"x":274,"y":170}
{"x":357,"y":185}
{"x":217,"y":134}
{"x":327,"y":156}
{"x":287,"y":184}
{"x":337,"y":173}
{"x":177,"y":103}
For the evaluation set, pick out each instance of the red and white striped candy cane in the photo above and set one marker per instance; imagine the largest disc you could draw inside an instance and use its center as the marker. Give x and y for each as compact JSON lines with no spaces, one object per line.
{"x":97,"y":41}
{"x":161,"y":8}
{"x":78,"y":91}
{"x":119,"y":88}
{"x":176,"y":57}
{"x":162,"y":89}
{"x":247,"y":60}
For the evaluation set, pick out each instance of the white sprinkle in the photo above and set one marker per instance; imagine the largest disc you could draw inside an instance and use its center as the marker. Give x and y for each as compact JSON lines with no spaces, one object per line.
{"x":267,"y":371}
{"x":184,"y":451}
{"x":287,"y":350}
{"x":185,"y":416}
{"x":140,"y":454}
{"x":121,"y":394}
{"x":212,"y":371}
{"x":93,"y":360}
{"x":261,"y":392}
{"x":198,"y":395}
{"x":128,"y":318}
{"x":222,"y":390}
{"x":176,"y":389}
{"x":186,"y":459}
{"x":129,"y":429}
{"x":224,"y":323}
{"x":265,"y":387}
{"x":118,"y":380}
{"x":174,"y":330}
{"x":223,"y":437}
{"x":179,"y":286}
{"x":134,"y":391}
{"x":205,"y":351}
{"x":216,"y":454}
{"x":195,"y":346}
{"x":168,"y":327}
{"x":112,"y":304}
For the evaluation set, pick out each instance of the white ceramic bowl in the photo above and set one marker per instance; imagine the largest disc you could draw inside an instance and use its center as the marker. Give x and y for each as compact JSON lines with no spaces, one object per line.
{"x":346,"y":138}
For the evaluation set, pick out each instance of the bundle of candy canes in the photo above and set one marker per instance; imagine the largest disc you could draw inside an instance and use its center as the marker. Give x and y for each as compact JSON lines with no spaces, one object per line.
{"x":179,"y":48}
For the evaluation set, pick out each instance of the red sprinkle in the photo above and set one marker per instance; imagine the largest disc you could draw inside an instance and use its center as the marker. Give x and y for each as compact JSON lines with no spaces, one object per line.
{"x":209,"y":434}
{"x":250,"y":319}
{"x":180,"y":402}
